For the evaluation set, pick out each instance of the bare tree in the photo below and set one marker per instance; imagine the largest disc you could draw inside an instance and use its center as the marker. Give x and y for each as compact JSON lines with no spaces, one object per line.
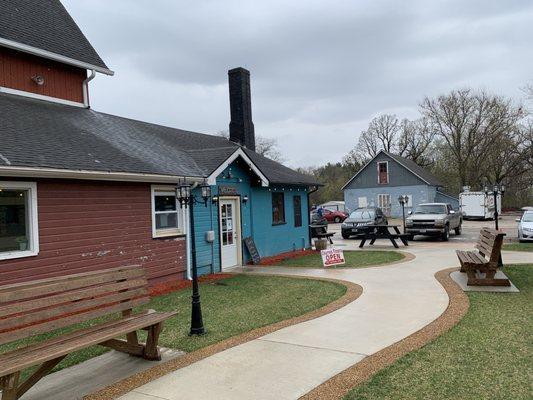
{"x":267,"y":147}
{"x":471,"y":124}
{"x":381,"y":134}
{"x":415,"y":140}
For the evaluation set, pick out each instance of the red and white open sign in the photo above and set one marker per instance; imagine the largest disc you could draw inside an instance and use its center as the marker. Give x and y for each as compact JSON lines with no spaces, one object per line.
{"x":332,"y":257}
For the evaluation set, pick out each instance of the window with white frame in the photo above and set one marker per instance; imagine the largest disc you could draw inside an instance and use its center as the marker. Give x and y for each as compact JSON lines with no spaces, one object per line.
{"x":383,"y":172}
{"x":167,"y":216}
{"x":19,"y":229}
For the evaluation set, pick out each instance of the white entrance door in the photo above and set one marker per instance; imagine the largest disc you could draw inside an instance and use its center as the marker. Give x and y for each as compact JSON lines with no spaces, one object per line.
{"x":384,"y":203}
{"x":229,"y":232}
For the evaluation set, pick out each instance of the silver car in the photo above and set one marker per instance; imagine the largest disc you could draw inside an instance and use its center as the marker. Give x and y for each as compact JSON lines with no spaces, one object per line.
{"x":525,"y":227}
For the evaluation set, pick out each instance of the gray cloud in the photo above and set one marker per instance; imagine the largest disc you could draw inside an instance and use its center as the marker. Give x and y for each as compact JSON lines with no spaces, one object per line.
{"x":320,"y":69}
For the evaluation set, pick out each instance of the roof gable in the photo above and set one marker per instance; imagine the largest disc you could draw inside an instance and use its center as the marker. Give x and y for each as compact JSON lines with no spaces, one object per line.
{"x":409,"y":166}
{"x":45,"y":28}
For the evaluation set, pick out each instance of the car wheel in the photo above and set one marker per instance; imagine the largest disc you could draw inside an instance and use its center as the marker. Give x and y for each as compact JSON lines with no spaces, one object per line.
{"x":337,"y":220}
{"x":459,"y":229}
{"x":446,"y":235}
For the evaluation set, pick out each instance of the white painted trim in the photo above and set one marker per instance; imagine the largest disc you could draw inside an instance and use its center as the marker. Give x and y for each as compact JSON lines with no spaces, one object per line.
{"x":52,"y":56}
{"x":33,"y":217}
{"x":388,"y":180}
{"x":162,"y":233}
{"x":90,"y":175}
{"x":238,"y":224}
{"x":41,"y":97}
{"x":187,"y":225}
{"x":212,"y":179}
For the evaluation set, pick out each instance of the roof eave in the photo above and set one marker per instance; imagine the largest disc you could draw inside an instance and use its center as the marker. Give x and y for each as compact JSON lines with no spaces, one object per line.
{"x":53,"y":56}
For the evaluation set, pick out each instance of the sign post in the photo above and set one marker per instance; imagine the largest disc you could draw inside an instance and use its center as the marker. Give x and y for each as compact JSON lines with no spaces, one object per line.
{"x":332,"y":257}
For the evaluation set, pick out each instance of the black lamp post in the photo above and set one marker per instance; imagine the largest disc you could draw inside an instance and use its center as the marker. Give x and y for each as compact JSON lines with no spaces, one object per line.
{"x":187,"y":199}
{"x":498,"y":189}
{"x":403,"y":200}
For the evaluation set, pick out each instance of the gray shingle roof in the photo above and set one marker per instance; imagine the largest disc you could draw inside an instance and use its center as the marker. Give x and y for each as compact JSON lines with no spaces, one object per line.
{"x":37,"y":133}
{"x":46,"y":25}
{"x":416,"y":169}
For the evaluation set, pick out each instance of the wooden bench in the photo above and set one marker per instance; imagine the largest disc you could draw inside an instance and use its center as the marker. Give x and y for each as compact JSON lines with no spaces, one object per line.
{"x":485,"y":260}
{"x":42,"y":306}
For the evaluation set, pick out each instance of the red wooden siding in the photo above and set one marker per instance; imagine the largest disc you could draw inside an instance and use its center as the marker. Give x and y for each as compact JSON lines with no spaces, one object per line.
{"x":86,"y":226}
{"x":60,"y":80}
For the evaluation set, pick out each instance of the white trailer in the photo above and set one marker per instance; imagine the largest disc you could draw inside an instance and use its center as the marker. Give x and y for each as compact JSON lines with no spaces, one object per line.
{"x":478,"y":205}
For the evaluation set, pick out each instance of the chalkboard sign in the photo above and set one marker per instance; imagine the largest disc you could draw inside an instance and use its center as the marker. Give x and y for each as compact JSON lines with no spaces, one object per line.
{"x":250,"y":245}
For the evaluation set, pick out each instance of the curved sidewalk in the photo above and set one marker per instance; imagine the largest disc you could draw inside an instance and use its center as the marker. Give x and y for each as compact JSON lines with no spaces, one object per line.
{"x":397,"y":301}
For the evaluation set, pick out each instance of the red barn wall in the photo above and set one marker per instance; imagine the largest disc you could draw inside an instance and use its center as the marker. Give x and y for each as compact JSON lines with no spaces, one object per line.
{"x":60,"y":80}
{"x":86,"y":225}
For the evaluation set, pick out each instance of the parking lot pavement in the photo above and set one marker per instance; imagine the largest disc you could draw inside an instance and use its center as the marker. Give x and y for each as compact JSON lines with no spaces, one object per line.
{"x":470,"y":232}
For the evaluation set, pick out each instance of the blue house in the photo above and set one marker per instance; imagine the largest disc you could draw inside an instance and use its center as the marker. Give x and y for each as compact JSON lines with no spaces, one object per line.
{"x":385,"y":177}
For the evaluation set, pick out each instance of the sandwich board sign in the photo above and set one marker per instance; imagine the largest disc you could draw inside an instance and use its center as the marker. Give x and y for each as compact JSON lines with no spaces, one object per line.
{"x":332,"y":257}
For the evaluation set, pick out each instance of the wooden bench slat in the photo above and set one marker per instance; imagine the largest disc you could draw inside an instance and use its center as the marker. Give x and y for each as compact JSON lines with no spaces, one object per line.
{"x":30,"y":305}
{"x":32,"y":330}
{"x":100,"y":302}
{"x":49,"y":352}
{"x":69,"y":336}
{"x":13,"y":293}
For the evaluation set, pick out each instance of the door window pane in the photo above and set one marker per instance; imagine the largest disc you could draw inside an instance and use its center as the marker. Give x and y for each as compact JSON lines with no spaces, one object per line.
{"x":14,"y":229}
{"x":278,"y":208}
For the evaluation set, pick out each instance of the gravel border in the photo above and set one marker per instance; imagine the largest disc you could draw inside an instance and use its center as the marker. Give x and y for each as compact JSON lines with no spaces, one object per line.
{"x":338,"y":386}
{"x":353,"y":291}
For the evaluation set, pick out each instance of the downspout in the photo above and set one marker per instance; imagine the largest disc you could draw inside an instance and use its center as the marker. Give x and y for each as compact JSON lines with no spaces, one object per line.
{"x":315,"y":188}
{"x":85,"y":87}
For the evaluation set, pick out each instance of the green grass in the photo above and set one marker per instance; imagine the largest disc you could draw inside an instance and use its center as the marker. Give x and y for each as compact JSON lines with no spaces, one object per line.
{"x":354,"y":259}
{"x":230,"y":307}
{"x":488,"y":355}
{"x":518,"y":246}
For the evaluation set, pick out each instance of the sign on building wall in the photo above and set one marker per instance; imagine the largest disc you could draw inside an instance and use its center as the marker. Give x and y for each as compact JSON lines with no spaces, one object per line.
{"x":331,"y":257}
{"x":227,"y":190}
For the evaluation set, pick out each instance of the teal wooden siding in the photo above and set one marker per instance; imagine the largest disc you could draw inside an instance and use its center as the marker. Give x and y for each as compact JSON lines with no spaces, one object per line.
{"x":256,"y":219}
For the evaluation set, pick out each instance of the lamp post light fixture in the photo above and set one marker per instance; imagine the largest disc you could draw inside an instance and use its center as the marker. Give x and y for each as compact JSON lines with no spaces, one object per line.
{"x":403,"y":200}
{"x":498,"y":189}
{"x":187,"y":199}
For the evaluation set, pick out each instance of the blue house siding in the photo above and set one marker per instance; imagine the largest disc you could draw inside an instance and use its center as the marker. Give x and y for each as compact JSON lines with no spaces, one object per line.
{"x":418,"y":193}
{"x":256,"y":219}
{"x":444,"y":198}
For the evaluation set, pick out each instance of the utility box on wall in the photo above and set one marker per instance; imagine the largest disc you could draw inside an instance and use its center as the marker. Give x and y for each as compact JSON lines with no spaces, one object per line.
{"x":210,"y":236}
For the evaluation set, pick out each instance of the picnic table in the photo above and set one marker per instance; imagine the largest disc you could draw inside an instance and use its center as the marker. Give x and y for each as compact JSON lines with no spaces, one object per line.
{"x":382,"y":231}
{"x":321,"y":232}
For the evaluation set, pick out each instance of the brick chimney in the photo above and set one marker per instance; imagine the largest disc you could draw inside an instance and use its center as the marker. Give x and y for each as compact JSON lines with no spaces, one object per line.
{"x":241,"y":127}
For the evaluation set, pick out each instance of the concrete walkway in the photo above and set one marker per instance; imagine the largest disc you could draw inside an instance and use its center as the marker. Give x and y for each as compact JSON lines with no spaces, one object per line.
{"x":397,"y":301}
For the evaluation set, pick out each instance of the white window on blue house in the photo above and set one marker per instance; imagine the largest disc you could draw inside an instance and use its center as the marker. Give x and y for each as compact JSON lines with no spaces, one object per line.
{"x":19,"y":231}
{"x":167,"y":216}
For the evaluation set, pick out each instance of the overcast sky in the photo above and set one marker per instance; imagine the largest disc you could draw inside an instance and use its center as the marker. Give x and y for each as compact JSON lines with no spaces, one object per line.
{"x":320,"y":70}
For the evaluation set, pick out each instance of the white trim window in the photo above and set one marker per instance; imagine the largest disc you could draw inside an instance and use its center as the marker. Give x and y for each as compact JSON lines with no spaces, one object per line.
{"x":19,"y":227}
{"x":167,"y":216}
{"x":383,"y":172}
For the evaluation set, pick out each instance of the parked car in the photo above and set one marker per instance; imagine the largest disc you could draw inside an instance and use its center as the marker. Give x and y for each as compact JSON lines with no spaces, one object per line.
{"x":334,"y":215}
{"x":525,"y":227}
{"x":434,"y":219}
{"x":362,"y":220}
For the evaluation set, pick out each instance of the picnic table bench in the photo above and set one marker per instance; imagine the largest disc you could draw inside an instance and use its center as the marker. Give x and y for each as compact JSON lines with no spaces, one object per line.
{"x":382,"y":231}
{"x":42,"y":306}
{"x":485,"y":259}
{"x":321,"y":232}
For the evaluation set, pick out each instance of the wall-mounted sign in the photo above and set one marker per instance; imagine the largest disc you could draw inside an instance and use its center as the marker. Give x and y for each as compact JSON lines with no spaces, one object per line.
{"x":227,"y":190}
{"x":332,"y":257}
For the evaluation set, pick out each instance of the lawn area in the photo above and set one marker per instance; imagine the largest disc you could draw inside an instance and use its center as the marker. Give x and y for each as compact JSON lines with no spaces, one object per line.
{"x":230,"y":307}
{"x":488,"y":355}
{"x":518,"y":247}
{"x":354,"y":259}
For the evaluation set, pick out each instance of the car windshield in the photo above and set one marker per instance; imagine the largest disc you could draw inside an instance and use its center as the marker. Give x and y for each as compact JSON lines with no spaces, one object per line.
{"x":430,"y":209}
{"x":362,"y":214}
{"x":528,"y":217}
